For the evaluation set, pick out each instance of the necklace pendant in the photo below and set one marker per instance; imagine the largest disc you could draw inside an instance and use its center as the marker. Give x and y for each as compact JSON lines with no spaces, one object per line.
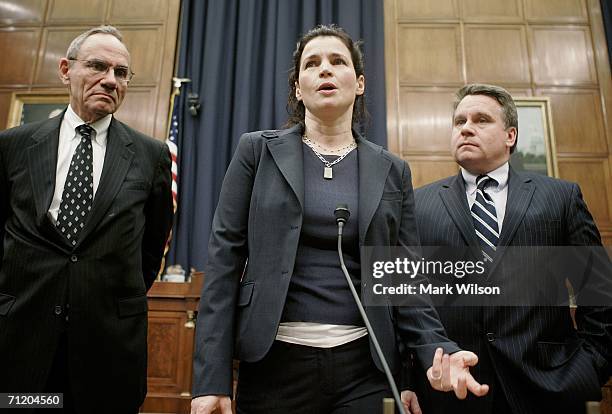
{"x":327,"y":173}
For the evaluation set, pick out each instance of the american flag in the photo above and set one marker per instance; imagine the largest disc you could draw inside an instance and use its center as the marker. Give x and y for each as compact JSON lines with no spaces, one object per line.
{"x":172,"y":143}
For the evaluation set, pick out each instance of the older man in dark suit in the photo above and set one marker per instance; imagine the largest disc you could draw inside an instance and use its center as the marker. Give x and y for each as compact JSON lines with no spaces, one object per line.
{"x":84,"y":215}
{"x":532,"y":356}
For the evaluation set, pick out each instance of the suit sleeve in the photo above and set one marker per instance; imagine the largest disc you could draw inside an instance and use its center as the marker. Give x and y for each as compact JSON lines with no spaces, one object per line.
{"x":4,"y":201}
{"x":594,"y":322}
{"x":158,"y":218}
{"x":227,"y":255}
{"x":419,"y":326}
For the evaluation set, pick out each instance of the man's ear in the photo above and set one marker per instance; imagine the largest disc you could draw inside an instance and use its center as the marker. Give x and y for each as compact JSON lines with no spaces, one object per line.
{"x":511,"y":135}
{"x":298,"y":91}
{"x":64,"y":71}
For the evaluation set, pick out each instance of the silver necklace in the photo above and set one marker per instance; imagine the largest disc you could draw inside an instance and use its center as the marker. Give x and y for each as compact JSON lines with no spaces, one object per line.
{"x":327,"y":171}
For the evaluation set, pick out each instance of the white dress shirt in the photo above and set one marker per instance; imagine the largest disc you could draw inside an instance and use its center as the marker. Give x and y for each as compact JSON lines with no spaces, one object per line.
{"x":498,"y":193}
{"x":68,"y":141}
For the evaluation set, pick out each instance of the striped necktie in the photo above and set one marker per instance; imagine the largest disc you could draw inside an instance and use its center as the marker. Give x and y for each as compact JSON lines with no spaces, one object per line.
{"x":485,"y":218}
{"x":78,"y":190}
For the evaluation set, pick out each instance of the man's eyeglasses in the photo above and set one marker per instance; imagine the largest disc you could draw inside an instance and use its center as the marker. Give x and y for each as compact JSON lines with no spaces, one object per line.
{"x":100,"y":67}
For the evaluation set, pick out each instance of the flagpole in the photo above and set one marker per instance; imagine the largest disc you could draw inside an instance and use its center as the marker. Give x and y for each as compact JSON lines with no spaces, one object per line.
{"x":177,"y":83}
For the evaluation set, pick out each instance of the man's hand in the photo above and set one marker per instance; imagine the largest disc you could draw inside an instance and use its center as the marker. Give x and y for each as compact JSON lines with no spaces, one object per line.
{"x":410,"y":402}
{"x":209,"y":404}
{"x":452,"y":372}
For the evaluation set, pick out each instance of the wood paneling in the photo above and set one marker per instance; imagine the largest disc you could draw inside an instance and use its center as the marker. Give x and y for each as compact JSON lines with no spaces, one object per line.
{"x":556,"y":10}
{"x":427,"y":9}
{"x":164,"y":334}
{"x":145,"y":61}
{"x":492,"y":11}
{"x":18,"y":12}
{"x":137,"y":108}
{"x":489,"y":49}
{"x":430,"y":169}
{"x":429,"y":54}
{"x":5,"y":102}
{"x":577,"y":114}
{"x":136,"y":10}
{"x":18,"y":50}
{"x":91,"y":12}
{"x":562,"y":56}
{"x":426,"y":120}
{"x":54,"y":45}
{"x":590,"y":174}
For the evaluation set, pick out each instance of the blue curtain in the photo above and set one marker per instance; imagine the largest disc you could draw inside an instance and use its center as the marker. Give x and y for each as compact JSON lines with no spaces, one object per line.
{"x":237,"y":54}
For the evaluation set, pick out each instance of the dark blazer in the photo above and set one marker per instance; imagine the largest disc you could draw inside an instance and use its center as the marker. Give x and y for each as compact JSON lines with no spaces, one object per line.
{"x":104,"y":278}
{"x":541,"y":362}
{"x":259,"y":217}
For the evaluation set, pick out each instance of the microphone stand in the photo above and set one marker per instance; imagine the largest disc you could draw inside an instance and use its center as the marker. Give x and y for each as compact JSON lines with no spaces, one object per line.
{"x":342,"y":214}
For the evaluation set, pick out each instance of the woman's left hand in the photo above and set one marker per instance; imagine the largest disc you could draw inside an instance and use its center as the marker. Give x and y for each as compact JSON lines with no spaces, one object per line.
{"x":410,"y":402}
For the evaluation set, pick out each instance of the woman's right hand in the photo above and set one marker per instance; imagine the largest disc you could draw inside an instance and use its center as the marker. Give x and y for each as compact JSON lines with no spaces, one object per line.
{"x":209,"y":404}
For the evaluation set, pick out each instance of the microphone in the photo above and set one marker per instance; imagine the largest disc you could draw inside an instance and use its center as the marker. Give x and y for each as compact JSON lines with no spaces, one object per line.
{"x":342,"y":215}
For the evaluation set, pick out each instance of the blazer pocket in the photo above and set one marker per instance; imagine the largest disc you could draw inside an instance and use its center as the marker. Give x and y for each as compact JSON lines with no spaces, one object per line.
{"x":136,"y":185}
{"x":132,"y":306}
{"x":555,"y":354}
{"x":392,"y":195}
{"x":246,"y":292}
{"x":6,"y":302}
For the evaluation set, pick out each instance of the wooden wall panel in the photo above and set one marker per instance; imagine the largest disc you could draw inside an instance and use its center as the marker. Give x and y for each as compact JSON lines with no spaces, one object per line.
{"x":430,"y":169}
{"x":54,"y":45}
{"x":490,"y":48}
{"x":426,"y":120}
{"x":137,"y":108}
{"x":146,"y":61}
{"x":19,"y":12}
{"x":426,"y":9}
{"x":18,"y":49}
{"x":573,"y":11}
{"x":5,"y":101}
{"x":590,"y":173}
{"x":163,"y":333}
{"x":489,"y":11}
{"x":132,"y":11}
{"x":90,"y":13}
{"x":430,"y":54}
{"x":577,"y":115}
{"x":563,"y":56}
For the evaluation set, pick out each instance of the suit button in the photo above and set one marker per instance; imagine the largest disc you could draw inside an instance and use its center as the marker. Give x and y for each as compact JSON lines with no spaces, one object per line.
{"x":57,"y":310}
{"x":294,"y":227}
{"x":74,"y":258}
{"x":490,"y":337}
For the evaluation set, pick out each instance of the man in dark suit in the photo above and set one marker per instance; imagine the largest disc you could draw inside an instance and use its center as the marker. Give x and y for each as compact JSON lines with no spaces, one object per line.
{"x":532,"y":356}
{"x":84,"y":215}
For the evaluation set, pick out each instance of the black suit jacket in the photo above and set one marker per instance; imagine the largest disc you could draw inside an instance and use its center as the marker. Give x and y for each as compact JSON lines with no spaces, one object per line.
{"x":104,"y":278}
{"x":258,"y":219}
{"x":534,"y":353}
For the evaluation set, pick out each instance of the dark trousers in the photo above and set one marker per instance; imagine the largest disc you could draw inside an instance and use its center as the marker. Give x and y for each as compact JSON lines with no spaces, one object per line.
{"x":299,"y":379}
{"x":59,"y":379}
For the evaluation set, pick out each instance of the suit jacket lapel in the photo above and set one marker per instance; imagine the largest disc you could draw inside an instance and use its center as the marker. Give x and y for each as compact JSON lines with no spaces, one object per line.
{"x":455,"y":201}
{"x":373,"y":170}
{"x":117,"y":161}
{"x":42,"y":161}
{"x":287,"y":153}
{"x":520,"y":193}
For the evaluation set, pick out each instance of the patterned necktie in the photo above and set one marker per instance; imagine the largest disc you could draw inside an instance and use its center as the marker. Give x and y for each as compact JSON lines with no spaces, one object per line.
{"x":78,"y":189}
{"x":485,"y":218}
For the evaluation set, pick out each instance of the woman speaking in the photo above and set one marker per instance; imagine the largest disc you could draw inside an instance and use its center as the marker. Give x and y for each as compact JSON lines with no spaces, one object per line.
{"x":274,"y":295}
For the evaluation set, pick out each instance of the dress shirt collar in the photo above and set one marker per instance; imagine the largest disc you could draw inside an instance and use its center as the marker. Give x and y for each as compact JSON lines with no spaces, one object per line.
{"x":500,"y":175}
{"x":100,"y":126}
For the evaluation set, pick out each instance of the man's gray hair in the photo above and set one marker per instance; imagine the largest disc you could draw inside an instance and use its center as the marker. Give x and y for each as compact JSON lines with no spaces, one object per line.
{"x":502,"y":96}
{"x":75,"y":45}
